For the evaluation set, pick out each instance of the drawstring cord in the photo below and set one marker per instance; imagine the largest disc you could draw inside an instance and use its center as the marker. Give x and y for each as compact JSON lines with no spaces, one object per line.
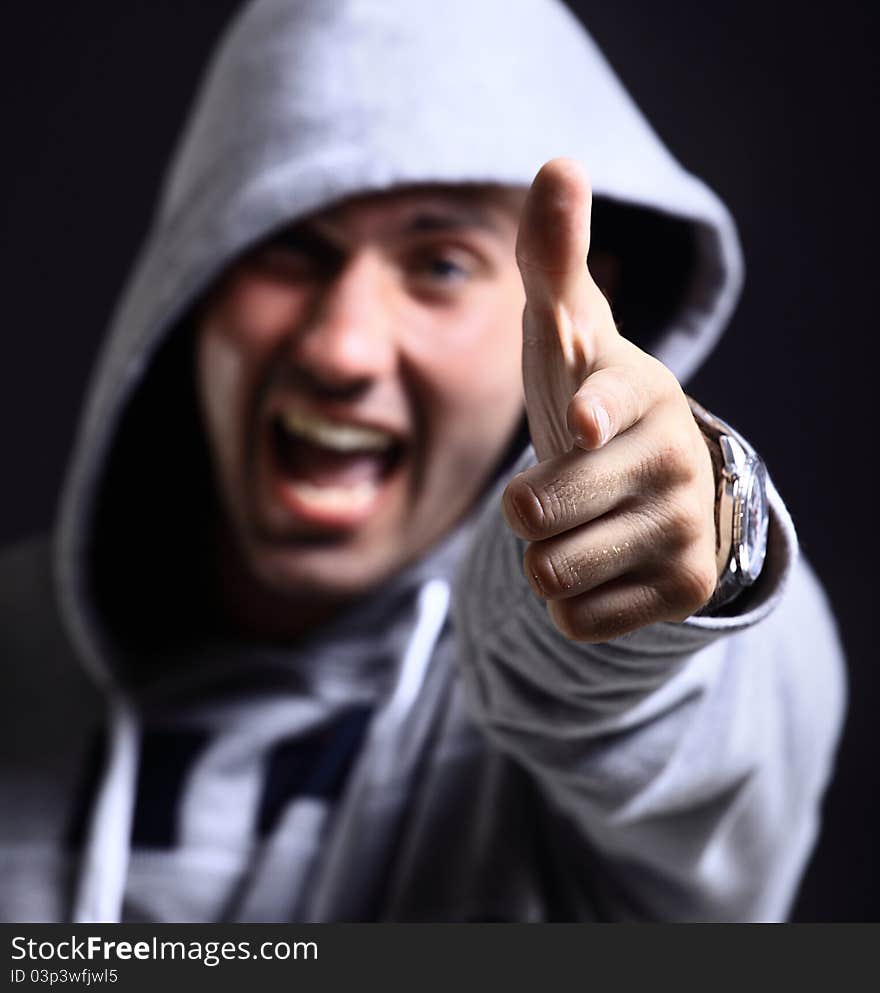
{"x":104,"y":869}
{"x":432,"y":610}
{"x":383,"y":754}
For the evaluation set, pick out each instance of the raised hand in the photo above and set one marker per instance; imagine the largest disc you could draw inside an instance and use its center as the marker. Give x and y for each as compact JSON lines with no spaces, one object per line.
{"x":619,"y":510}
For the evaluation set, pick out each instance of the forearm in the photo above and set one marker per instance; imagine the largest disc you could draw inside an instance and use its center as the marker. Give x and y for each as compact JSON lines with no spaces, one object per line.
{"x":692,"y":755}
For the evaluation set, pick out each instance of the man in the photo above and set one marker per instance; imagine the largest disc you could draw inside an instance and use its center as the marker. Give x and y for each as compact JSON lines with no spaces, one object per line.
{"x":340,"y":676}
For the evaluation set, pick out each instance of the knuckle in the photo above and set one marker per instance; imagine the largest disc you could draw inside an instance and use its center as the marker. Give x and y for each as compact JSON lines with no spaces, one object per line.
{"x":695,"y":580}
{"x":580,"y":620}
{"x":552,"y":572}
{"x":635,"y":390}
{"x":647,"y":380}
{"x":664,"y":383}
{"x":705,"y":581}
{"x":688,"y":524}
{"x":560,"y":500}
{"x":684,"y":464}
{"x":668,"y":385}
{"x":645,"y":607}
{"x":669,"y":461}
{"x":675,"y":519}
{"x":574,"y":620}
{"x":524,"y":509}
{"x":670,"y":526}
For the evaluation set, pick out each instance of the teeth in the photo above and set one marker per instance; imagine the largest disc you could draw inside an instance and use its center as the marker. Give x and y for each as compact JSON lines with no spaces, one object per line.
{"x":333,"y":435}
{"x":338,"y":498}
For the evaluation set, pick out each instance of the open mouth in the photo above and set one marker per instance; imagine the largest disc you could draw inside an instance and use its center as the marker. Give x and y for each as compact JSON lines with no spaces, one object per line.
{"x":331,"y":472}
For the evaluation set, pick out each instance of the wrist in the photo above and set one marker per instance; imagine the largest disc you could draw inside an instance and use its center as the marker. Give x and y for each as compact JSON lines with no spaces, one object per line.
{"x":741,"y":510}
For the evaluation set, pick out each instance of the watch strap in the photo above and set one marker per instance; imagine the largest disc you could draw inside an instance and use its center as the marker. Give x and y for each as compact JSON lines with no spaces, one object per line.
{"x":711,"y":430}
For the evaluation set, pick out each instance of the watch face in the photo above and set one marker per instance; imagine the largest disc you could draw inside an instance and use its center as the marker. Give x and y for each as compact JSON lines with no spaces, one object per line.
{"x":755,"y":520}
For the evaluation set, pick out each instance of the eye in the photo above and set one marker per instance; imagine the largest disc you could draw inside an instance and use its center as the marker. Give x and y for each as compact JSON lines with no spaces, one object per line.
{"x":446,"y":267}
{"x":277,"y":261}
{"x":296,"y":254}
{"x":282,"y":261}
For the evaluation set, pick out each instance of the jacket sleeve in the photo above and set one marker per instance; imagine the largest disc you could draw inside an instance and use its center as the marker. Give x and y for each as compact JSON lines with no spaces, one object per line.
{"x":690,"y":759}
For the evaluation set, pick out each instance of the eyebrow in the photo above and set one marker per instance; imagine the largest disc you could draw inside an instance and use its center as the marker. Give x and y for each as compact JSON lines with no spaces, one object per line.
{"x":429,"y":220}
{"x":306,"y":236}
{"x":315,"y":235}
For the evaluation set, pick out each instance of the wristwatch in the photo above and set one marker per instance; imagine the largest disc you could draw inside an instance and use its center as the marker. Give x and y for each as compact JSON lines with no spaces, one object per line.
{"x":741,"y":511}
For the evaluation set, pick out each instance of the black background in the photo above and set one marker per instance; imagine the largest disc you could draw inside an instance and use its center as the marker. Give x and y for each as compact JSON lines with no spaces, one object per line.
{"x":774,"y":105}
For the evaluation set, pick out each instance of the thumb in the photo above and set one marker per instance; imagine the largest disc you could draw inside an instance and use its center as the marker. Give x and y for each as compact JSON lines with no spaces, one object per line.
{"x":554,"y":232}
{"x":567,"y":319}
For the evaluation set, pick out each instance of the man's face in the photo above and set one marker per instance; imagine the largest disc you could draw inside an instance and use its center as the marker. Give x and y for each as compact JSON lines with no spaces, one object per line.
{"x":359,"y":376}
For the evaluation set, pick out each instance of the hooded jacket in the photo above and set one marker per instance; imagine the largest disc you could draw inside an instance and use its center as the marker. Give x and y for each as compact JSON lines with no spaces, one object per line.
{"x":501,"y":772}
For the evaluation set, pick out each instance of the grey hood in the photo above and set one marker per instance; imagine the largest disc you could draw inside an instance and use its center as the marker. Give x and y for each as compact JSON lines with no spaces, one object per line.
{"x":308,"y":101}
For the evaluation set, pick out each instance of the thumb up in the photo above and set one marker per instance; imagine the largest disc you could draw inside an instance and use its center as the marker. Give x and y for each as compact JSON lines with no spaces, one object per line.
{"x":619,"y":510}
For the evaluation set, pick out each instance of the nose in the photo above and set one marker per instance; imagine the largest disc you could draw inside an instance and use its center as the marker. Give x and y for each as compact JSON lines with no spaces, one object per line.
{"x":347,"y":341}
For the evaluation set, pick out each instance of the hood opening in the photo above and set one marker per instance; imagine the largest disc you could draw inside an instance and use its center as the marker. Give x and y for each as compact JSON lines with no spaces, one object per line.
{"x":148,"y":574}
{"x":656,"y":256}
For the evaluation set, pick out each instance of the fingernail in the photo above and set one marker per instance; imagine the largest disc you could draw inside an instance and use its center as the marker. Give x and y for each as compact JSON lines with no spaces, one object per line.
{"x":603,"y":422}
